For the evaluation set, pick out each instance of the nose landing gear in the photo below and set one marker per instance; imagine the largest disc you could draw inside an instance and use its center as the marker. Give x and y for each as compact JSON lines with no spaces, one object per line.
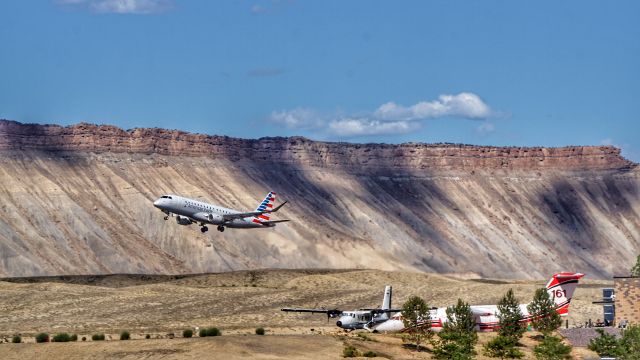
{"x":204,"y":229}
{"x":220,"y":228}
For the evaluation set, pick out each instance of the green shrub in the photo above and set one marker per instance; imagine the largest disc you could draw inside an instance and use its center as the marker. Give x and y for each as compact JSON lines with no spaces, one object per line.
{"x":212,"y":331}
{"x":350,"y":351}
{"x":42,"y":337}
{"x":97,"y":337}
{"x":74,"y":337}
{"x":629,"y":343}
{"x":503,"y":347}
{"x":552,"y":348}
{"x":370,"y":354}
{"x":125,"y":335}
{"x":605,"y":344}
{"x":16,"y":339}
{"x":61,"y":337}
{"x":187,"y":333}
{"x":260,"y":331}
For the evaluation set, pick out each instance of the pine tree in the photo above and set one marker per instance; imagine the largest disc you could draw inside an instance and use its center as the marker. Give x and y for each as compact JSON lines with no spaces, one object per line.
{"x":510,"y":317}
{"x":458,"y":336}
{"x":543,"y":313}
{"x":415,"y":316}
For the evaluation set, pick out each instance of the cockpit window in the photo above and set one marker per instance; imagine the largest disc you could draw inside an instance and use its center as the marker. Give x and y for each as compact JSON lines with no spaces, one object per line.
{"x":165,"y":197}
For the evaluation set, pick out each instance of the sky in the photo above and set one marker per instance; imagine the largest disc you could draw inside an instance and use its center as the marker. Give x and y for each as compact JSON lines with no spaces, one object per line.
{"x":505,"y":73}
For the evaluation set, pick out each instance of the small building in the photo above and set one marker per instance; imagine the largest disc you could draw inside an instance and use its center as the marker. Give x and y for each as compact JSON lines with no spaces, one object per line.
{"x":627,"y":300}
{"x":608,"y":306}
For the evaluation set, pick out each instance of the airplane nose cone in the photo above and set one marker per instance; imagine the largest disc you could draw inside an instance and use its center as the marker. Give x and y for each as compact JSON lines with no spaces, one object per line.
{"x":156,"y":203}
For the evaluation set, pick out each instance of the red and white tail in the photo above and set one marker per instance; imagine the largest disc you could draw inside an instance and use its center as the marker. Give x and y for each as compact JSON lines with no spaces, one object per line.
{"x":266,"y":204}
{"x":561,"y":287}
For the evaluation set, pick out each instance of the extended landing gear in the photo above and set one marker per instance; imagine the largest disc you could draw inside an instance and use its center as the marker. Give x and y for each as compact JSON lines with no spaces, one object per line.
{"x":220,"y":228}
{"x":204,"y":229}
{"x":166,"y":217}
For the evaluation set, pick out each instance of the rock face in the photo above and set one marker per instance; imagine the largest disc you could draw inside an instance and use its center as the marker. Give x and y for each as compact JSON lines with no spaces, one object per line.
{"x":78,"y":200}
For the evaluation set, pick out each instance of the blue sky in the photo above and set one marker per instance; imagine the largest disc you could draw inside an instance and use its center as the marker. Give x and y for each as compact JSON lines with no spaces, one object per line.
{"x":543,"y":73}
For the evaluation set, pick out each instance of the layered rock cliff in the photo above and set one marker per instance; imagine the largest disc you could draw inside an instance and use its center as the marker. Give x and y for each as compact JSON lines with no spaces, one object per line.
{"x":78,"y":199}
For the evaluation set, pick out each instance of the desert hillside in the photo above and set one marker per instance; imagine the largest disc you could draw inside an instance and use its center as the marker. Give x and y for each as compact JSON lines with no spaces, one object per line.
{"x":78,"y":200}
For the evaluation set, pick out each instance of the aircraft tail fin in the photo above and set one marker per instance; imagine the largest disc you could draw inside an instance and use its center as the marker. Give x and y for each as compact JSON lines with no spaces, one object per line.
{"x":266,"y":204}
{"x":386,"y":301}
{"x":561,"y":287}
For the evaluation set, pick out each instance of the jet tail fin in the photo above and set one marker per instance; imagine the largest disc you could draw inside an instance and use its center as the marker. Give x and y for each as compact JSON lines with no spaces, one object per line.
{"x":561,"y":287}
{"x":266,"y":205}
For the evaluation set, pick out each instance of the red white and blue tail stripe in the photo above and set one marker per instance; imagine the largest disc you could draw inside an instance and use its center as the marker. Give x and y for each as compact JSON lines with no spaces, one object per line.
{"x":266,"y":204}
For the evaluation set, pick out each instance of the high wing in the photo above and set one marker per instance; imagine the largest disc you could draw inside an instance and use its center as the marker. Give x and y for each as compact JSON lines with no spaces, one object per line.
{"x":329,"y":312}
{"x":381,"y":311}
{"x":229,"y":217}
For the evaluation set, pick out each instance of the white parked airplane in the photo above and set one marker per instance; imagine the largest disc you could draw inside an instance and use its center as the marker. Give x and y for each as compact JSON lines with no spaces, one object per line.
{"x":560,"y":289}
{"x":356,"y":319}
{"x":188,"y":211}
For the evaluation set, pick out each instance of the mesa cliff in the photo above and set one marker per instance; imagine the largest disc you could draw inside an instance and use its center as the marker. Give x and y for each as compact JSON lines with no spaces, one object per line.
{"x":78,"y":200}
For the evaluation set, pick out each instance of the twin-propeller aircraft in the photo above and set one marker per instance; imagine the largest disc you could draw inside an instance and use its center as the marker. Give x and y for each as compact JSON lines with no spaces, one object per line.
{"x":356,"y":319}
{"x":188,"y":211}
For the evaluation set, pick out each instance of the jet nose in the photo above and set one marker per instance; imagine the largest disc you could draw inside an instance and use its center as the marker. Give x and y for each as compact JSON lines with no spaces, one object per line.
{"x":156,"y":203}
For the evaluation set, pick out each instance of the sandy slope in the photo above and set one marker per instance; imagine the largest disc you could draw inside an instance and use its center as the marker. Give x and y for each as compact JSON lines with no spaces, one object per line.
{"x":78,"y":200}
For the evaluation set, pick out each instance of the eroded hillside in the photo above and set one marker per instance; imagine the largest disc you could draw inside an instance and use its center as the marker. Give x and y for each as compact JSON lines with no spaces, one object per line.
{"x":78,"y":199}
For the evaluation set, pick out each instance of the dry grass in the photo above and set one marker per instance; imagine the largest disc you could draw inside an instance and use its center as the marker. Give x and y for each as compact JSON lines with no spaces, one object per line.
{"x":237,"y":303}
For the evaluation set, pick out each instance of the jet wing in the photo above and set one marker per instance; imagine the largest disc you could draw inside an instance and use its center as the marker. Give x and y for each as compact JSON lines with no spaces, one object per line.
{"x":229,"y":217}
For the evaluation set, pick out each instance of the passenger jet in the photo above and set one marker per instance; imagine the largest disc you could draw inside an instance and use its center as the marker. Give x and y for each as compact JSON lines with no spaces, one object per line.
{"x":188,"y":211}
{"x":560,"y":289}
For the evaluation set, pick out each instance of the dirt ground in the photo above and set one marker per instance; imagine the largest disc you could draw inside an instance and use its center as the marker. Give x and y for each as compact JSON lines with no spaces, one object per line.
{"x":237,"y":303}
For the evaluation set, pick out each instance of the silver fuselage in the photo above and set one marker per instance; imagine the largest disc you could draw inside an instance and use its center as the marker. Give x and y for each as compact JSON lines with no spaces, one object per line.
{"x":198,"y":211}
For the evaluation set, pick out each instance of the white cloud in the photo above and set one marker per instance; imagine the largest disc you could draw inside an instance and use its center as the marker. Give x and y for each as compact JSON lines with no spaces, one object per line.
{"x":363,"y":127}
{"x":389,"y":118}
{"x":299,"y":118}
{"x":467,"y":105}
{"x":120,"y":6}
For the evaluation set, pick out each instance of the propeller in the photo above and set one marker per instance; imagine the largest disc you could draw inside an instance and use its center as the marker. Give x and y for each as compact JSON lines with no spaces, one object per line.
{"x":333,"y":313}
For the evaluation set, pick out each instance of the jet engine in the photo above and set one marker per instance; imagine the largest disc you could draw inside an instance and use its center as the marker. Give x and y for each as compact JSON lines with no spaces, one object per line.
{"x":183,"y":220}
{"x":215,"y":218}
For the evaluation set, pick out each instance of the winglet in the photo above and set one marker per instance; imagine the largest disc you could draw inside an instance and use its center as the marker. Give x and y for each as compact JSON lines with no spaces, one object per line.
{"x":277,"y":207}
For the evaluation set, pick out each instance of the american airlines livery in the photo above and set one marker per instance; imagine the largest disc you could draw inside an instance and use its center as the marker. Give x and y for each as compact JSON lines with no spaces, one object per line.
{"x":188,"y":211}
{"x":560,"y":289}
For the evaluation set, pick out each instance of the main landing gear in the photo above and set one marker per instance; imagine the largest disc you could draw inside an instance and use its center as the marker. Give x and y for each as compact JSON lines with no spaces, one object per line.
{"x":204,"y":229}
